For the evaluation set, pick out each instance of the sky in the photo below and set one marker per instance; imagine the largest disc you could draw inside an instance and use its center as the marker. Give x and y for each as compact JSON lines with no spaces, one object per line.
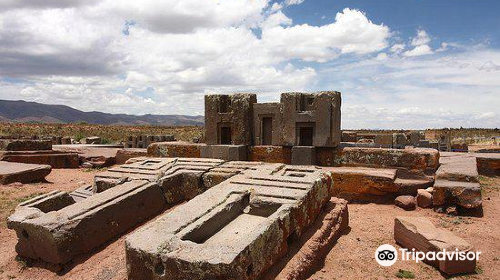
{"x":401,"y":64}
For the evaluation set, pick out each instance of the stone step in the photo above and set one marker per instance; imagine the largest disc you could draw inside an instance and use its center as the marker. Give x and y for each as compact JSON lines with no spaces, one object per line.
{"x":410,"y":186}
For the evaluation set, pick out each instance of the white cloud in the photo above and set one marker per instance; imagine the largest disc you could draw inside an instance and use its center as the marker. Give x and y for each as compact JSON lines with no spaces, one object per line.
{"x":421,"y":39}
{"x":418,"y":51}
{"x":351,"y":32}
{"x":293,"y":2}
{"x":420,"y":43}
{"x":397,"y":48}
{"x":161,"y":57}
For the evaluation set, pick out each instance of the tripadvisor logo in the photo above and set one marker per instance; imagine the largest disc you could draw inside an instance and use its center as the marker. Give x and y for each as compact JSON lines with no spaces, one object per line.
{"x":387,"y":255}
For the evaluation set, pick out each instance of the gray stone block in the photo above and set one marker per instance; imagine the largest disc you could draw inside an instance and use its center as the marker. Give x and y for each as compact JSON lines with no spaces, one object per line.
{"x":235,"y":230}
{"x":225,"y":152}
{"x":303,"y":155}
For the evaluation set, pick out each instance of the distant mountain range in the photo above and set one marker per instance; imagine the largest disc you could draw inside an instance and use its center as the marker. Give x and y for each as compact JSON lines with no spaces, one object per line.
{"x":23,"y":111}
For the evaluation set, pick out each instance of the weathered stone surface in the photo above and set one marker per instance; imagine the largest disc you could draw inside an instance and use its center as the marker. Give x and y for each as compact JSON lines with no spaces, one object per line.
{"x":420,"y":234}
{"x":319,"y":112}
{"x":383,"y":140}
{"x":417,"y":158}
{"x":464,"y":194}
{"x":409,"y":182}
{"x":488,"y":164}
{"x":235,"y":230}
{"x":25,"y":145}
{"x":325,"y":231}
{"x":122,"y":155}
{"x":407,"y":202}
{"x":270,"y":133}
{"x":82,"y":193}
{"x":183,"y":180}
{"x":303,"y":155}
{"x":461,"y":167}
{"x":63,"y":229}
{"x":175,"y":149}
{"x":326,"y":156}
{"x":225,"y":152}
{"x":220,"y":173}
{"x":55,"y":159}
{"x":411,"y":186}
{"x":11,"y":172}
{"x":399,"y":140}
{"x":231,"y":114}
{"x":363,"y":184}
{"x":271,"y":154}
{"x":351,"y":136}
{"x":424,"y":199}
{"x":150,"y":169}
{"x":95,"y":157}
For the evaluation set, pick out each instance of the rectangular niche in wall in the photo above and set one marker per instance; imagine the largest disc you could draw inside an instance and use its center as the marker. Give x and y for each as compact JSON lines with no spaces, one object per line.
{"x":267,"y":131}
{"x":305,"y":134}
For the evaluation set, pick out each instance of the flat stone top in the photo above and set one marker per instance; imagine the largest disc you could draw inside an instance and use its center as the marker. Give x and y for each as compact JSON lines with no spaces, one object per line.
{"x":275,"y":184}
{"x":493,"y":156}
{"x":80,"y":210}
{"x":7,"y":168}
{"x":440,"y":238}
{"x":455,"y":184}
{"x":179,"y":143}
{"x":77,"y":146}
{"x":457,"y":166}
{"x":366,"y":171}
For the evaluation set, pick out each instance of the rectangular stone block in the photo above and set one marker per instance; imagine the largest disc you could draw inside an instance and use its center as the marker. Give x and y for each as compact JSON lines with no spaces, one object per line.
{"x":150,"y":169}
{"x":183,"y":180}
{"x":457,"y":167}
{"x":362,"y":184}
{"x":420,"y":234}
{"x":303,"y":155}
{"x":463,"y":194}
{"x":229,"y":118}
{"x":488,"y":164}
{"x":55,"y":159}
{"x":383,"y":140}
{"x":235,"y":230}
{"x":123,"y":155}
{"x":270,"y":154}
{"x":220,"y":173}
{"x":25,"y":145}
{"x":268,"y":124}
{"x":415,"y":158}
{"x":351,"y":136}
{"x":11,"y":172}
{"x":175,"y":149}
{"x":225,"y":152}
{"x":311,"y":119}
{"x":61,"y":234}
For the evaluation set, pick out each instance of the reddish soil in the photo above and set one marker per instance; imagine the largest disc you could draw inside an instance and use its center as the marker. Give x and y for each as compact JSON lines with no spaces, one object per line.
{"x":352,"y":257}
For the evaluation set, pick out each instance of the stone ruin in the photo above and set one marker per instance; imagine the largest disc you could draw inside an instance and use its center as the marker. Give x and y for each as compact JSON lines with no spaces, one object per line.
{"x":143,"y":141}
{"x":260,"y":180}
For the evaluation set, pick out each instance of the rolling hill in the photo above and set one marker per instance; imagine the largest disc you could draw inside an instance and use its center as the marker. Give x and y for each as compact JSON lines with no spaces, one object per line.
{"x":33,"y":112}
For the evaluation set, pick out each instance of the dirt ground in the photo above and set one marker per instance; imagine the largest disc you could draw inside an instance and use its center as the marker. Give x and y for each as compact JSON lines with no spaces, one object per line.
{"x":352,"y":257}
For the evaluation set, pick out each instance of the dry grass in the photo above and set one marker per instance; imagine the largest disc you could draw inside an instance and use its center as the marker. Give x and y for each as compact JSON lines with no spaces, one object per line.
{"x":111,"y":133}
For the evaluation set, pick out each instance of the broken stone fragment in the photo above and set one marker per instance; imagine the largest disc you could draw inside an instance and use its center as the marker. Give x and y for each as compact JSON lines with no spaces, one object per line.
{"x":420,"y":234}
{"x":463,"y":194}
{"x":424,"y":199}
{"x":407,"y":202}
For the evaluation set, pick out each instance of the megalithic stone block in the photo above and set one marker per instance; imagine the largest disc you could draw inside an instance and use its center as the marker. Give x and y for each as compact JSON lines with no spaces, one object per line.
{"x":149,"y":169}
{"x":420,"y":234}
{"x":55,"y":229}
{"x":235,"y":230}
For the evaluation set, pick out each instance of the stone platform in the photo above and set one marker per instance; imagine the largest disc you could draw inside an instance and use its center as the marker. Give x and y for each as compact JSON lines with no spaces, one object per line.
{"x":11,"y":172}
{"x":235,"y":230}
{"x":53,"y":158}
